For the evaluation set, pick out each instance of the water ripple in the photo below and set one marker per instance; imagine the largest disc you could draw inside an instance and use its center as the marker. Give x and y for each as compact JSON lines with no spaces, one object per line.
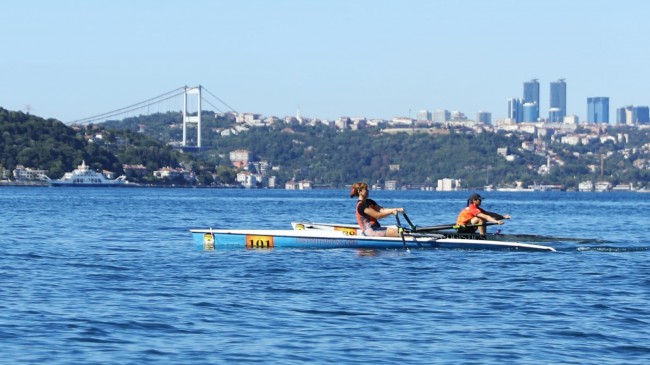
{"x":100,"y":286}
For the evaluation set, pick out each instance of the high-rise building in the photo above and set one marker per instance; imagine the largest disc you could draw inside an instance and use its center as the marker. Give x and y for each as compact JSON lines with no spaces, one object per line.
{"x":515,"y":111}
{"x":598,"y":109}
{"x":626,"y":115}
{"x":630,"y":115}
{"x":531,"y":94}
{"x":558,"y":101}
{"x":441,"y":116}
{"x":633,"y":115}
{"x":484,"y":117}
{"x":531,"y":112}
{"x":555,"y":115}
{"x":620,"y":116}
{"x":424,"y":115}
{"x":642,"y":115}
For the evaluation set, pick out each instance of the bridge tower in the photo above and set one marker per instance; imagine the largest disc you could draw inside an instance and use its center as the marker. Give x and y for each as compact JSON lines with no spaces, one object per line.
{"x":192,"y":119}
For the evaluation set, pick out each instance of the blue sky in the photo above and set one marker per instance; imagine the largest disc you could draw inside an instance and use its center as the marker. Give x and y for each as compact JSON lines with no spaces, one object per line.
{"x":69,"y":59}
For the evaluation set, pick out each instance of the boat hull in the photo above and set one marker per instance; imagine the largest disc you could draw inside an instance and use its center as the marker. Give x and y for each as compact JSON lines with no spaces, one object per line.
{"x":210,"y":239}
{"x":90,"y":185}
{"x":83,"y":176}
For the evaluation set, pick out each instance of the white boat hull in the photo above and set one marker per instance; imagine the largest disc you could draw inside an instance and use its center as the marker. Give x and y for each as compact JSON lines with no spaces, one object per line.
{"x":210,"y":239}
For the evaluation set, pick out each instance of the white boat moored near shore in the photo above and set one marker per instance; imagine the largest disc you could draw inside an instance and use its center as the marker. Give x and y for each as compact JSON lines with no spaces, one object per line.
{"x":83,"y":176}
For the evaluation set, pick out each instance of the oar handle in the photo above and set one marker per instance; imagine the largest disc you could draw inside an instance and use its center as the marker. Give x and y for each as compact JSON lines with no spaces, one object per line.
{"x":414,"y":228}
{"x":400,"y":231}
{"x":408,"y":220}
{"x":448,"y":226}
{"x":436,"y":228}
{"x":475,"y":225}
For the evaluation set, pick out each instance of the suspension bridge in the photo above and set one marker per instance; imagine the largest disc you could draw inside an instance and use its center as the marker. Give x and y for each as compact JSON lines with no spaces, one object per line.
{"x":192,"y":101}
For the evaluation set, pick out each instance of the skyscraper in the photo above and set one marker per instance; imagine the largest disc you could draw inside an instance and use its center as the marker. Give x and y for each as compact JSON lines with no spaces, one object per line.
{"x":620,"y":116}
{"x":598,"y":110}
{"x":633,"y":115}
{"x":423,"y":115}
{"x":558,"y":100}
{"x":515,"y":111}
{"x":642,"y":115}
{"x":531,"y":95}
{"x":531,"y":112}
{"x":484,"y":117}
{"x":441,"y":116}
{"x":555,"y":115}
{"x":626,"y":115}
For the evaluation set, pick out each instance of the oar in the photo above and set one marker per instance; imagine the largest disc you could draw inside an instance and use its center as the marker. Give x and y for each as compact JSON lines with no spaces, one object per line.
{"x":400,"y":229}
{"x":449,"y":226}
{"x":414,"y":228}
{"x":409,"y":221}
{"x":436,"y":228}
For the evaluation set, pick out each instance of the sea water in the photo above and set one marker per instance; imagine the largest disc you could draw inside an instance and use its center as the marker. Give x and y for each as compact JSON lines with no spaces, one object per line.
{"x":112,"y":276}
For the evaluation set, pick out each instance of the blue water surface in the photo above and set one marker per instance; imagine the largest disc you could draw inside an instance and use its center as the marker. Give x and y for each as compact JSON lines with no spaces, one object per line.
{"x":111,"y":275}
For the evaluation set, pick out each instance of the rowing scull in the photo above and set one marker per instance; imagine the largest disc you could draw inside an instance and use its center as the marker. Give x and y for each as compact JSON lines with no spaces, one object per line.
{"x":209,"y":239}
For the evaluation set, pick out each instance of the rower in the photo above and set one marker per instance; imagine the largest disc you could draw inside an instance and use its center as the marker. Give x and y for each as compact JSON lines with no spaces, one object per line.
{"x":473,"y":216}
{"x":369,"y":212}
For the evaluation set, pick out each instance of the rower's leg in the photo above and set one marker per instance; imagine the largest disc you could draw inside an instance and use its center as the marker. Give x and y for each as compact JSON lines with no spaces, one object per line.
{"x":480,"y":223}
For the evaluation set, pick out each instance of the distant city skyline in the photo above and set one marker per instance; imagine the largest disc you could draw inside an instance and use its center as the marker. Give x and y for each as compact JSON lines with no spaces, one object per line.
{"x":377,"y":59}
{"x":598,"y":110}
{"x":632,"y":115}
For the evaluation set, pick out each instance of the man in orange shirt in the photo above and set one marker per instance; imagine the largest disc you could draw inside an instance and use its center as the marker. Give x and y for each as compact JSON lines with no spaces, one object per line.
{"x":474,"y":216}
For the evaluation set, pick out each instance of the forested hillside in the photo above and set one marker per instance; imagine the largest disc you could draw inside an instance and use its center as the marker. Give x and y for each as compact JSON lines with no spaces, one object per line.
{"x":329,"y":156}
{"x":50,"y":145}
{"x":325,"y":155}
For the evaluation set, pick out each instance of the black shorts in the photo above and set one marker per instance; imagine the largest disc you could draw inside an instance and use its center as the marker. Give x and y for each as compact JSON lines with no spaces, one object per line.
{"x":467,"y":229}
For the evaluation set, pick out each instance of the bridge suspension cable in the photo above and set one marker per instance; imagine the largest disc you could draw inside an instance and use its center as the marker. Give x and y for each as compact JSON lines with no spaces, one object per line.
{"x":131,"y":108}
{"x":221,"y":101}
{"x":146,"y":103}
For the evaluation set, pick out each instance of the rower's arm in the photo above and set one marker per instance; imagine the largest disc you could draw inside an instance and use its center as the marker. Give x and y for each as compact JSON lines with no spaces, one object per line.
{"x":382,"y":213}
{"x":489,"y":218}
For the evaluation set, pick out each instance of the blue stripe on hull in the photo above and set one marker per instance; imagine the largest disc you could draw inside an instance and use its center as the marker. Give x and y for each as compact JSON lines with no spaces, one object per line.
{"x":240,"y":240}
